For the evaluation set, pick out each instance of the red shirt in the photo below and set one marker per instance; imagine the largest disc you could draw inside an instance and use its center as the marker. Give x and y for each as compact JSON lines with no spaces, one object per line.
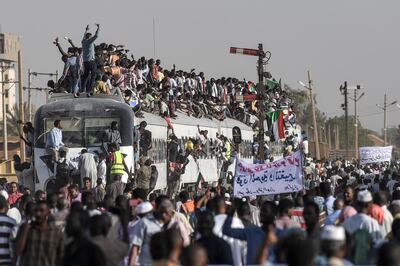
{"x":12,"y":198}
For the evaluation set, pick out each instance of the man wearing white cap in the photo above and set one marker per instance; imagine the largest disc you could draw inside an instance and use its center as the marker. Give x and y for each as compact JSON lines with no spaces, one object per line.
{"x":362,"y":220}
{"x":333,"y":246}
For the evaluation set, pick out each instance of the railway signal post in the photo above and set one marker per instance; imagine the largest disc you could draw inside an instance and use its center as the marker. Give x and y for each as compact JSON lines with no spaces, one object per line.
{"x":260,"y":91}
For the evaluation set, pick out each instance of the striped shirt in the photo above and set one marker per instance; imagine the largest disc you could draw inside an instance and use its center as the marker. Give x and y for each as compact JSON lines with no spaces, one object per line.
{"x":8,"y":230}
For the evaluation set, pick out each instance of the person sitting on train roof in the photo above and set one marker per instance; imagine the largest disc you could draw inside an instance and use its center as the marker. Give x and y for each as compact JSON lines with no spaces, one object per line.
{"x":100,"y":86}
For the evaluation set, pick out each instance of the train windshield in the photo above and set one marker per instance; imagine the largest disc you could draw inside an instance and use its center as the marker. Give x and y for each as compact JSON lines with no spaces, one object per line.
{"x":82,"y":132}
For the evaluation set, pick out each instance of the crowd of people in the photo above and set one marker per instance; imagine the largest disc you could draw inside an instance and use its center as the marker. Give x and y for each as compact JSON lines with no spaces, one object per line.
{"x":148,"y":86}
{"x":346,"y":215}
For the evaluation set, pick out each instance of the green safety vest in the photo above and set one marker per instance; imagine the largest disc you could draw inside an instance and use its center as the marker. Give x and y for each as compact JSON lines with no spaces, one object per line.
{"x":117,"y":168}
{"x":228,"y":150}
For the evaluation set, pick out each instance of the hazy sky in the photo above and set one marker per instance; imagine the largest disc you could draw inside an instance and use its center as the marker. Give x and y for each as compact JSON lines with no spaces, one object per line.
{"x":353,"y":40}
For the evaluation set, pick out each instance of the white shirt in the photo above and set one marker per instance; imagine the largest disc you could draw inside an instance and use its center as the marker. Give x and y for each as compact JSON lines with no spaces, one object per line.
{"x":238,"y":247}
{"x":386,"y":226}
{"x":102,"y":170}
{"x":363,"y":221}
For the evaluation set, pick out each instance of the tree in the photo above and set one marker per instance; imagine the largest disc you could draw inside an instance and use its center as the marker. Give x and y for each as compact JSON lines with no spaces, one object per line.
{"x":302,"y":108}
{"x":13,"y":121}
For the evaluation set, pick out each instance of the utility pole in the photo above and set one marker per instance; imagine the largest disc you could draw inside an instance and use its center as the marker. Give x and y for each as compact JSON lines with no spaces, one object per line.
{"x":343,"y":90}
{"x":384,"y":108}
{"x":29,"y":95}
{"x":260,"y":91}
{"x":337,"y":141}
{"x":356,"y":99}
{"x":4,"y":111}
{"x":385,"y":120}
{"x":329,"y":138}
{"x":316,"y":142}
{"x":21,"y":106}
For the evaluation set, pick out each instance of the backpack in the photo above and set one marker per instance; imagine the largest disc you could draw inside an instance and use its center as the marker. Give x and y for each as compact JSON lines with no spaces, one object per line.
{"x":62,"y":169}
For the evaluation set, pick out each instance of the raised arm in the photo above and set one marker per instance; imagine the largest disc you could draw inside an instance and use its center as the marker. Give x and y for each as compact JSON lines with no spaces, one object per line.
{"x":70,"y":42}
{"x":63,"y":53}
{"x":86,"y":31}
{"x":92,"y":39}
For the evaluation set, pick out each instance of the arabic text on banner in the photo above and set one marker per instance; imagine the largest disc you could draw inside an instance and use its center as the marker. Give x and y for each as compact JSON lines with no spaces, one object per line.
{"x":375,"y":154}
{"x":281,"y":176}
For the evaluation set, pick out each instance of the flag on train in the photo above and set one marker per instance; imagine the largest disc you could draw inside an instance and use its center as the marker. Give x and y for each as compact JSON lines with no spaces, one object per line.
{"x":272,"y":84}
{"x":169,"y":124}
{"x":251,"y":87}
{"x":278,"y":128}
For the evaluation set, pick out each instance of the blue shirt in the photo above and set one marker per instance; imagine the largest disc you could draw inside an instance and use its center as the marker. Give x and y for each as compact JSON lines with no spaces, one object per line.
{"x":88,"y":47}
{"x":330,"y":220}
{"x":252,"y":234}
{"x":54,"y":139}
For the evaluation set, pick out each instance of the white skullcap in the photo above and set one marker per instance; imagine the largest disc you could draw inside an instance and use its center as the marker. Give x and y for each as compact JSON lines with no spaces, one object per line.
{"x":144,"y":207}
{"x":364,"y":196}
{"x":4,"y":194}
{"x":332,"y":232}
{"x":226,"y":195}
{"x":396,"y":202}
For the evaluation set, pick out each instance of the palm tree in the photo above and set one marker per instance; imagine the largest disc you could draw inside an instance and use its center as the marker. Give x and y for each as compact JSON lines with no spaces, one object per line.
{"x":13,"y":121}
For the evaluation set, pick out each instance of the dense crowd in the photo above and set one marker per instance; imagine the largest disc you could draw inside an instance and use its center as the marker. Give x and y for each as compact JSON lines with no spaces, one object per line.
{"x":148,"y":86}
{"x":346,"y":214}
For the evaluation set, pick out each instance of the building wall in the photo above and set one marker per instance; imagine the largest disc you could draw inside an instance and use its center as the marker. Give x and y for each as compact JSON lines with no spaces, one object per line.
{"x":10,"y":89}
{"x":9,"y":47}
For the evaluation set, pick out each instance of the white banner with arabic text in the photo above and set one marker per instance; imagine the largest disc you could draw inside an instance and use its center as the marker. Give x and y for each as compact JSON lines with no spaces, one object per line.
{"x":282,"y":176}
{"x":375,"y":154}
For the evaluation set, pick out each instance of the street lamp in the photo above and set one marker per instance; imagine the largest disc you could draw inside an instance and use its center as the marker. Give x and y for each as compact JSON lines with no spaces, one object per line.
{"x":309,"y":88}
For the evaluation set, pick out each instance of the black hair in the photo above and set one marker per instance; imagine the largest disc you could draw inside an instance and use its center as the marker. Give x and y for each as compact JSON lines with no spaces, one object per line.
{"x":100,"y":225}
{"x":163,"y":243}
{"x":87,"y":179}
{"x":184,"y":196}
{"x":285,"y":205}
{"x":389,"y":254}
{"x":300,"y":252}
{"x":3,"y":203}
{"x":77,"y":223}
{"x":205,"y":223}
{"x":268,"y":212}
{"x":57,"y":122}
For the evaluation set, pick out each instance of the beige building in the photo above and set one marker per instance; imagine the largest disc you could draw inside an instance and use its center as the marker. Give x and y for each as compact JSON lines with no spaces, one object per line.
{"x":9,"y":47}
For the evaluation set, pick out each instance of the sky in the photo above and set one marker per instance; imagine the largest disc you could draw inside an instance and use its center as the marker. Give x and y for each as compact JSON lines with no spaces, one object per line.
{"x":355,"y":41}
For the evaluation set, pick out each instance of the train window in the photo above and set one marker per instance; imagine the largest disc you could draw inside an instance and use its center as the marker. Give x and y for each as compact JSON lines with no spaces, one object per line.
{"x":72,"y":131}
{"x":94,"y":129}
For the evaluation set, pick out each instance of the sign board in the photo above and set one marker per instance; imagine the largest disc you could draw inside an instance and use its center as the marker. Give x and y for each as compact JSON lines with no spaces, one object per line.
{"x":375,"y":154}
{"x":282,"y":176}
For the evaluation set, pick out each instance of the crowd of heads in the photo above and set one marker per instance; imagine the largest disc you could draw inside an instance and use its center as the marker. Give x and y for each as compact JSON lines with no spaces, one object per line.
{"x":149,"y":86}
{"x":346,"y":214}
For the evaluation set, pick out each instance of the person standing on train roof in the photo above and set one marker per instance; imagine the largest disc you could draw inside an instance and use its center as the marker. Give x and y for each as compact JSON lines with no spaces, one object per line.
{"x":54,"y":140}
{"x":89,"y":60}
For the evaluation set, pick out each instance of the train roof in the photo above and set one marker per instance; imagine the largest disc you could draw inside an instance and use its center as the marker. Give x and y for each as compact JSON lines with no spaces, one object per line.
{"x":184,"y":119}
{"x":66,"y":102}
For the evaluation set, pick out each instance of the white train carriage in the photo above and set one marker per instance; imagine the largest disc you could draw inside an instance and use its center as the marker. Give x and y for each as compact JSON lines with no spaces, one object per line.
{"x":185,"y":127}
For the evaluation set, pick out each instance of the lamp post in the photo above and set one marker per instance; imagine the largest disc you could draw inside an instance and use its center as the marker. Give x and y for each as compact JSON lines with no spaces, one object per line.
{"x":309,"y":87}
